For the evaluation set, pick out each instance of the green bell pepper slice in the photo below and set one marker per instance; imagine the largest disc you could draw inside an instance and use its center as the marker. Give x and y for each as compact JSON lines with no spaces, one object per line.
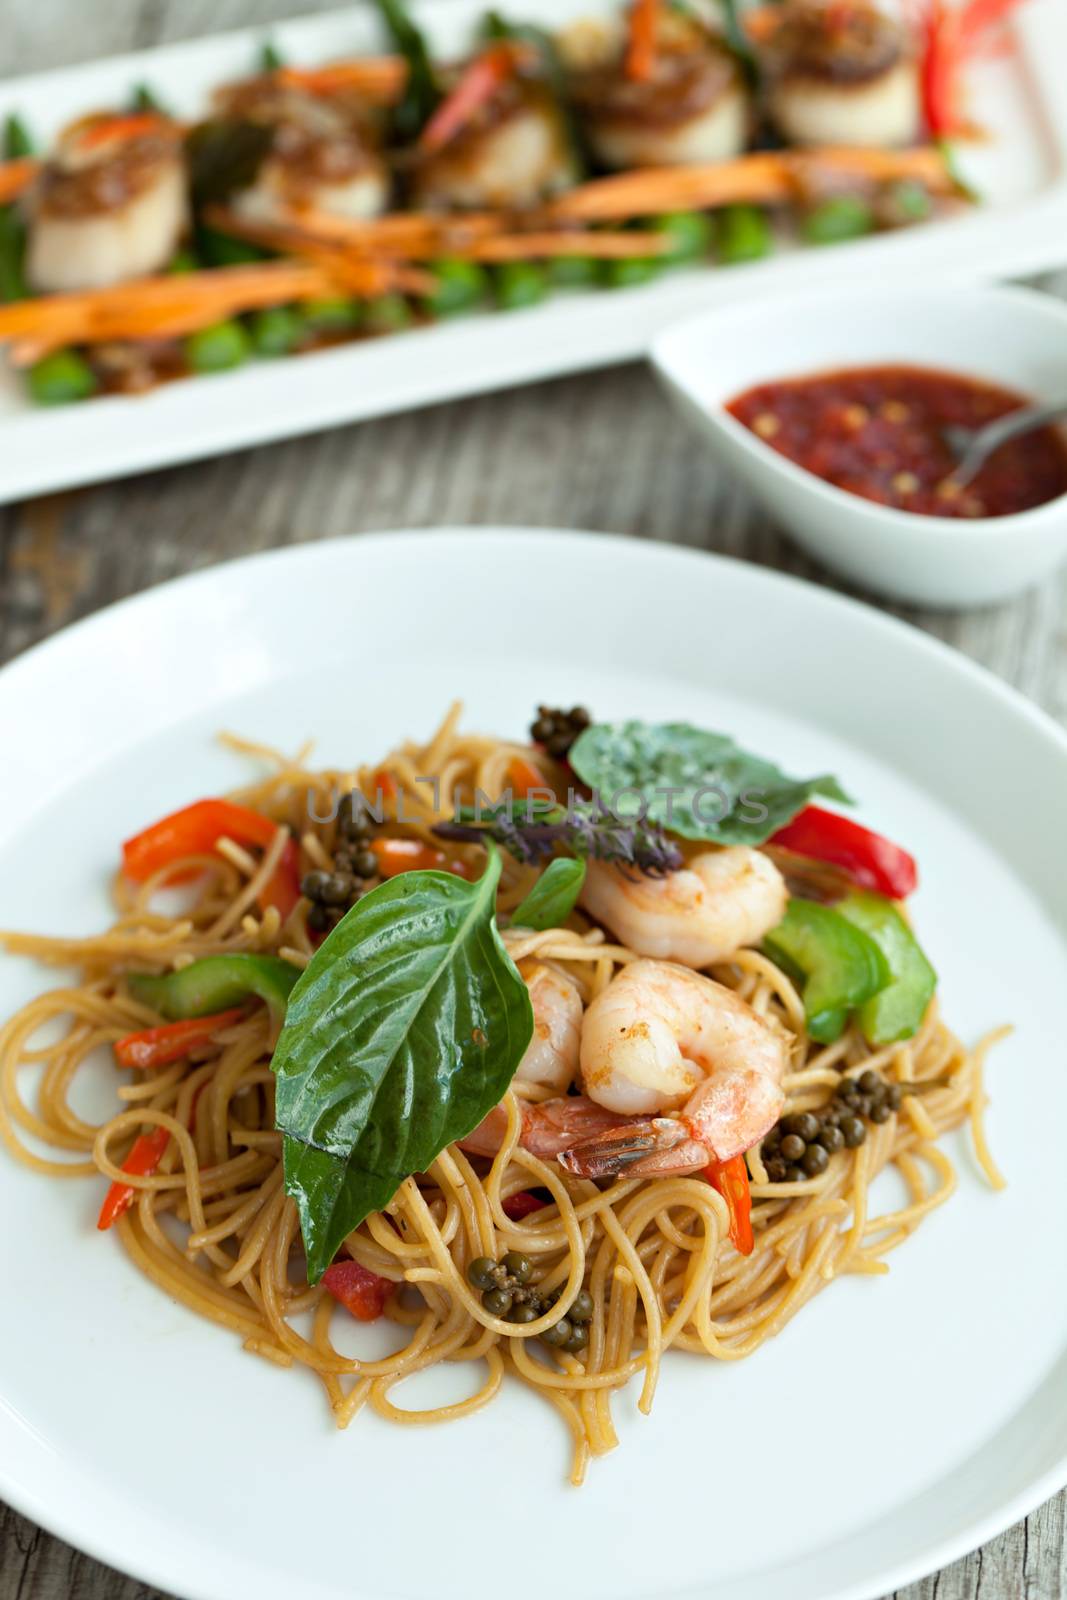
{"x":215,"y":984}
{"x":897,"y":1011}
{"x":839,"y":965}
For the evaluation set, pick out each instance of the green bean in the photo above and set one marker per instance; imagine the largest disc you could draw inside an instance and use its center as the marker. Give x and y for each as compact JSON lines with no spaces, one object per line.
{"x":744,"y":234}
{"x":843,"y":216}
{"x":12,"y":251}
{"x":223,"y":250}
{"x":691,"y":235}
{"x":629,"y":271}
{"x":17,"y":141}
{"x":388,"y":313}
{"x":182,"y":261}
{"x":276,"y":330}
{"x":518,"y":284}
{"x":574,"y":272}
{"x":61,"y":377}
{"x":218,"y":348}
{"x":461,"y":285}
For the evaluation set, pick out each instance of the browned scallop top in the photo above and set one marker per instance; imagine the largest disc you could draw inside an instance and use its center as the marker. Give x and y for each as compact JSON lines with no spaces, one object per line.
{"x":836,"y":41}
{"x":94,"y":173}
{"x":319,"y":138}
{"x":691,"y":70}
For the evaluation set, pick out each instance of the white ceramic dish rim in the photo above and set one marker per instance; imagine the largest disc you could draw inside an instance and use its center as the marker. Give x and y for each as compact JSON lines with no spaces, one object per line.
{"x":185,"y":1560}
{"x":971,"y":533}
{"x":200,"y":417}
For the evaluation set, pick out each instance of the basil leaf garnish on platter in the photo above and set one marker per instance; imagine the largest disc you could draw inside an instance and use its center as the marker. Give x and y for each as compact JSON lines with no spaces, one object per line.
{"x":402,"y":1034}
{"x":553,"y":897}
{"x":697,"y":784}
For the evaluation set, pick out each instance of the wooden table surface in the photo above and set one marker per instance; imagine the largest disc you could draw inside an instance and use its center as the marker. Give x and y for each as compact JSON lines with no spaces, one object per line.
{"x":602,"y":451}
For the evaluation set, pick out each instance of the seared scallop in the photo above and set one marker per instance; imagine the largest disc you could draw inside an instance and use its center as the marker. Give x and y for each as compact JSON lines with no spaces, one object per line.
{"x":109,"y":205}
{"x":842,"y":72}
{"x":324,"y":153}
{"x":692,"y":107}
{"x":513,"y":152}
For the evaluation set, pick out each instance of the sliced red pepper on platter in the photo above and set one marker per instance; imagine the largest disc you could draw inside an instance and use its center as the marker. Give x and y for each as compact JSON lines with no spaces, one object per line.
{"x":172,"y":1041}
{"x":143,"y":1159}
{"x":523,"y":1204}
{"x":358,"y":1289}
{"x":196,"y":829}
{"x":730,"y":1179}
{"x":868,"y":858}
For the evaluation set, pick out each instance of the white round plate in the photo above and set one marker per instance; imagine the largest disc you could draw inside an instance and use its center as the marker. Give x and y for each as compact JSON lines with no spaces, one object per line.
{"x":896,"y":1423}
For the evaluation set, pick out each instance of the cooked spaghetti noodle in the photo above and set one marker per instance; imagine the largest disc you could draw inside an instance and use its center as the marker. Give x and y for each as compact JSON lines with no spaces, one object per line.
{"x":214,"y":1228}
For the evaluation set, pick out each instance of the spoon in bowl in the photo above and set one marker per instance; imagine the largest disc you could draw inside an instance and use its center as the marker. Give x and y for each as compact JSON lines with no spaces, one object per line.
{"x":972,"y":447}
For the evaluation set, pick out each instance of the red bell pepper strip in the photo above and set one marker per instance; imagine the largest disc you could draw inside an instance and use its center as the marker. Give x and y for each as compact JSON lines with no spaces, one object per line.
{"x":641,"y":46}
{"x":951,"y":33}
{"x":142,"y":1161}
{"x":194,"y":831}
{"x":730,"y":1179}
{"x":158,"y":1047}
{"x":476,"y":87}
{"x":359,"y":1290}
{"x":523,"y":777}
{"x":867,"y":858}
{"x":523,"y":1204}
{"x":282,"y":888}
{"x":406,"y":855}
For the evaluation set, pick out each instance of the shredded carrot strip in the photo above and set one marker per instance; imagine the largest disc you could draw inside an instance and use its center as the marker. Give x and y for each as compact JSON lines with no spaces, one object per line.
{"x":478,"y":84}
{"x":641,"y":46}
{"x":123,"y":126}
{"x":381,"y":78}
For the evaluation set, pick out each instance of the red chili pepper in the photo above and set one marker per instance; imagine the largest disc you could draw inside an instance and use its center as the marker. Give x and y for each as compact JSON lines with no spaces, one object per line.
{"x":730,"y":1179}
{"x":158,"y":1047}
{"x":142,"y":1161}
{"x":523,"y":777}
{"x":359,"y":1290}
{"x":641,"y":47}
{"x":523,"y":1204}
{"x":869,"y":859}
{"x":478,"y":84}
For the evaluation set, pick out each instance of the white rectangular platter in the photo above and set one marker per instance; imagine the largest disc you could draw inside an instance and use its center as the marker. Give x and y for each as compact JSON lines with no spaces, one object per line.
{"x":1020,"y":169}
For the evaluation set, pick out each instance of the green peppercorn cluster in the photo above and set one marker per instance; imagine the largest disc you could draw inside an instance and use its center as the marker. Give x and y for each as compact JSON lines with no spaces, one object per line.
{"x":508,"y":1293}
{"x":557,"y":729}
{"x":354,"y":872}
{"x":801,"y":1144}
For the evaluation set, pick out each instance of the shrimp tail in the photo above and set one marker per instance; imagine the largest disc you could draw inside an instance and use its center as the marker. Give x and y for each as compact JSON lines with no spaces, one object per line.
{"x":649,"y":1147}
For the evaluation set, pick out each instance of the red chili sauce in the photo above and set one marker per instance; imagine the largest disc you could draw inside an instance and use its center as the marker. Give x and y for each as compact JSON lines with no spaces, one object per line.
{"x":876,"y":431}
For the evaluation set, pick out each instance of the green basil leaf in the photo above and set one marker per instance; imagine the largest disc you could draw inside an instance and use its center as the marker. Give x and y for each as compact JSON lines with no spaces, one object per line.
{"x":553,"y":897}
{"x":402,"y":1034}
{"x":697,"y":784}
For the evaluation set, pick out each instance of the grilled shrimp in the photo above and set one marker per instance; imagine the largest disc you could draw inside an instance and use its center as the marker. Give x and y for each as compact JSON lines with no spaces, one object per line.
{"x":721,"y":901}
{"x":109,"y":205}
{"x":324,"y":152}
{"x":694,"y":107}
{"x":662,"y":1038}
{"x":842,"y":74}
{"x":550,"y":1061}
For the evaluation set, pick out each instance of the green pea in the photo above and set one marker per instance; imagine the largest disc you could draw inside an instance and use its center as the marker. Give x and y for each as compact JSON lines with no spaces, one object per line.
{"x":482,"y":1272}
{"x":905,"y":201}
{"x":182,"y":261}
{"x":335,"y":314}
{"x":690,"y":233}
{"x":518,"y":1265}
{"x":744,"y":234}
{"x":461,"y":285}
{"x":60,"y":377}
{"x":581,"y":1307}
{"x":517,"y":284}
{"x":276,"y":330}
{"x":629,"y":272}
{"x":574,"y":272}
{"x":217,"y":349}
{"x":389,"y":313}
{"x":497,"y":1302}
{"x":832,"y":221}
{"x":17,"y":141}
{"x":222,"y":250}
